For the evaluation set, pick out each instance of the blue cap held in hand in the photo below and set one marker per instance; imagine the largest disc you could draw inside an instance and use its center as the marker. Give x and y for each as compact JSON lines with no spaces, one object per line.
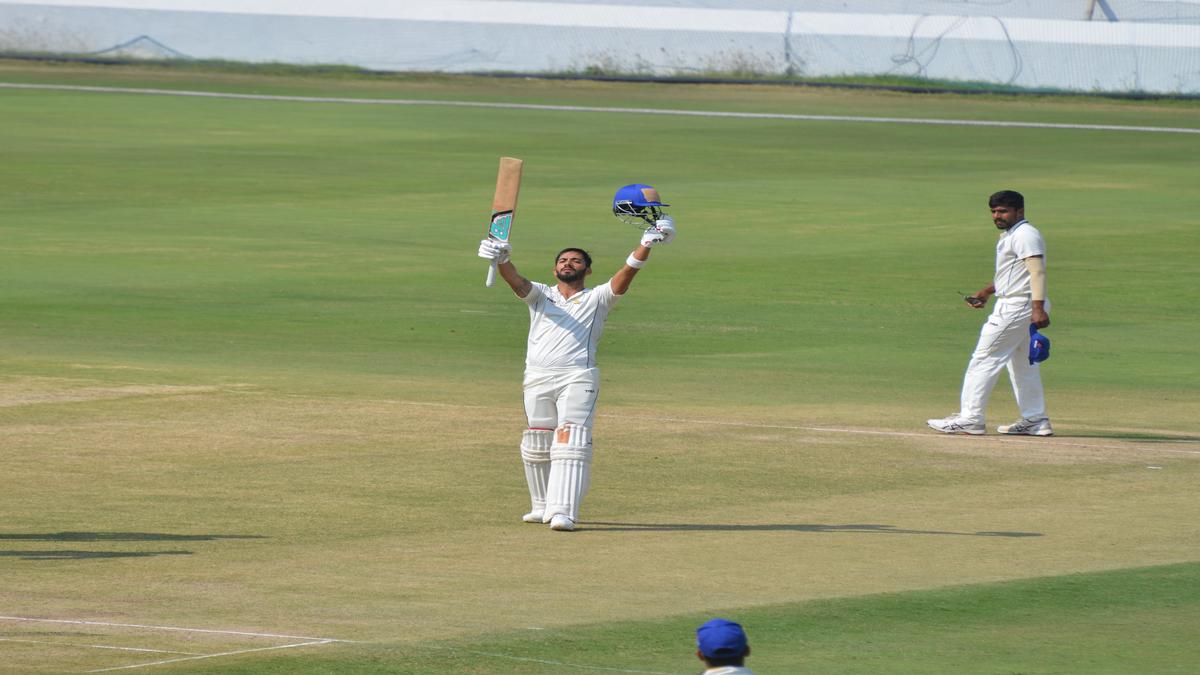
{"x":1039,"y":345}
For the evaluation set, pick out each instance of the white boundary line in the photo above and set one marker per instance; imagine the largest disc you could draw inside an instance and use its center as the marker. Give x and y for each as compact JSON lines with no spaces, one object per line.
{"x":77,"y":622}
{"x":599,"y":109}
{"x":79,"y":646}
{"x":211,"y":656}
{"x":187,"y":656}
{"x":306,"y":642}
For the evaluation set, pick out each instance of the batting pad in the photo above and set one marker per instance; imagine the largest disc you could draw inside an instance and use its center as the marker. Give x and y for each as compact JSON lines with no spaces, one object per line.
{"x":535,"y":454}
{"x":570,"y":471}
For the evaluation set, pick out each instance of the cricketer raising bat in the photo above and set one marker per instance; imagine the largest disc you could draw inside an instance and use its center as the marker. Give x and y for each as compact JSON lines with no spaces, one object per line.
{"x":504,"y":204}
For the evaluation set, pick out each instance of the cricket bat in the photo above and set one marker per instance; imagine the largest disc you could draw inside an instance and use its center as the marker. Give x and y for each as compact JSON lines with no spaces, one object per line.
{"x":504,"y":204}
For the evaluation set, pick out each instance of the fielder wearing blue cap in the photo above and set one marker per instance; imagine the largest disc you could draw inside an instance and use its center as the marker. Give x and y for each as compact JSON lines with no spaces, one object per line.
{"x":721,"y":645}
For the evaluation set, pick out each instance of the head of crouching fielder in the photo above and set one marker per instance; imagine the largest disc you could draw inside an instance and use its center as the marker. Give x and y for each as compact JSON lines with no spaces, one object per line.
{"x":562,"y":383}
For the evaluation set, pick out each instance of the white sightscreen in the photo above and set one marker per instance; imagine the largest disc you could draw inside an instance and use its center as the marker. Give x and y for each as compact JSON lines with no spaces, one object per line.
{"x":1080,"y":45}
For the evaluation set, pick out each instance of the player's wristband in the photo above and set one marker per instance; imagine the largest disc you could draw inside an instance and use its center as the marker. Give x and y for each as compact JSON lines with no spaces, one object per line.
{"x":634,"y":262}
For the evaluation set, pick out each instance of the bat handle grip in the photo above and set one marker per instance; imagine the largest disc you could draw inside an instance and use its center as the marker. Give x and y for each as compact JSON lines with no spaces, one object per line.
{"x":491,"y":277}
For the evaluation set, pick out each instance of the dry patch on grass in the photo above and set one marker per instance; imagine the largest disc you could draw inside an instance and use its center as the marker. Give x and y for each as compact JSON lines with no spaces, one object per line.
{"x":382,"y":517}
{"x":1060,"y":450}
{"x":27,"y":391}
{"x":1064,"y":448}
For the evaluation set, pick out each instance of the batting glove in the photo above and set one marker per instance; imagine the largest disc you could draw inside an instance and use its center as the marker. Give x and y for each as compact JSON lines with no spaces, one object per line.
{"x":662,"y":232}
{"x":499,"y":251}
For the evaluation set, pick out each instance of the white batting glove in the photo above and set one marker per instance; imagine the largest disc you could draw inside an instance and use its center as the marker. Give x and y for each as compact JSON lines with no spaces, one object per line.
{"x":662,"y":232}
{"x":499,"y":251}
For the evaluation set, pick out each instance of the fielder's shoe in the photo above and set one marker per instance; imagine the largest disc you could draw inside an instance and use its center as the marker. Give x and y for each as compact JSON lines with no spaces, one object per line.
{"x":562,"y":523}
{"x":533,"y":517}
{"x":1026,"y":427}
{"x":957,"y":425}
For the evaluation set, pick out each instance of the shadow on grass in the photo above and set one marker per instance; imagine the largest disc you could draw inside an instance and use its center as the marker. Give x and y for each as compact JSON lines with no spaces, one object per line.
{"x":785,"y":527}
{"x":1135,"y":436}
{"x":123,"y":536}
{"x":78,"y":537}
{"x":85,"y":555}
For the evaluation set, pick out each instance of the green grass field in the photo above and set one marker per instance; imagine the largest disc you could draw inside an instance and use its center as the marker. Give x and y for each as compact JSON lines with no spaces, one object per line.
{"x":259,"y":414}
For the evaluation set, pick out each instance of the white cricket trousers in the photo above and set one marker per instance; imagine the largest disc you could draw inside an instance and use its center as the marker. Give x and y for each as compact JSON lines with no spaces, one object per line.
{"x":555,"y":396}
{"x":563,"y":399}
{"x":1004,"y":342}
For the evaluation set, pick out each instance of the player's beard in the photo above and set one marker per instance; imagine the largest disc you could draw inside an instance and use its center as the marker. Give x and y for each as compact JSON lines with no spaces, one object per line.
{"x":570,"y":276}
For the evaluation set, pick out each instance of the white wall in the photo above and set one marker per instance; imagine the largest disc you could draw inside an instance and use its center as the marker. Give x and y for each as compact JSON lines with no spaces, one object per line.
{"x":1035,"y":44}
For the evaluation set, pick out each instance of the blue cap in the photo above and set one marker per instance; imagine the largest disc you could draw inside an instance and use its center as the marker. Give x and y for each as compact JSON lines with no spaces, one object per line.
{"x":638,"y":194}
{"x":721,"y":639}
{"x":1039,"y":345}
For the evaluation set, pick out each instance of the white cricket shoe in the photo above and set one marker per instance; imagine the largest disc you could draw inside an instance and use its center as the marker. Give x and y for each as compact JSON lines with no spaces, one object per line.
{"x":562,"y":523}
{"x":957,"y":425}
{"x":1026,"y":427}
{"x":533,"y":517}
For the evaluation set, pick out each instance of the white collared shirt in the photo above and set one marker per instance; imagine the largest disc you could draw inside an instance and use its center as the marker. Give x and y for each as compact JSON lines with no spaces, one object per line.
{"x":564,"y":332}
{"x":1017,"y":243}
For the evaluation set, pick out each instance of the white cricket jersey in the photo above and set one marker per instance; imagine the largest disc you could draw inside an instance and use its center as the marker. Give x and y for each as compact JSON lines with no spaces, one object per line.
{"x":563,"y":333}
{"x":1017,"y":243}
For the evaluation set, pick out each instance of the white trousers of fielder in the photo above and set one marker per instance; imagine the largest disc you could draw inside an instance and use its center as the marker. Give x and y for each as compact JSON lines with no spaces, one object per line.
{"x":1004,"y":343}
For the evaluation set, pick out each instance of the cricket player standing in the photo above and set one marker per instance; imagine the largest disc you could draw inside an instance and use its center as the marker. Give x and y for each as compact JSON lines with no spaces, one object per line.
{"x":1020,"y":289}
{"x":562,"y":382}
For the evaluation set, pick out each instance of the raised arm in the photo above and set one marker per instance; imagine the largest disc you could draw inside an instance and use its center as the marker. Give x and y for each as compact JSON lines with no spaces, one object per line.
{"x":625,"y":275}
{"x":490,"y":249}
{"x":662,"y":232}
{"x":520,"y":285}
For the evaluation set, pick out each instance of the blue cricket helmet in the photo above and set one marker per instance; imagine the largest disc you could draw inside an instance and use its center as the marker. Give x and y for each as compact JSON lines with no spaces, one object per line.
{"x":638,"y":204}
{"x":638,"y":194}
